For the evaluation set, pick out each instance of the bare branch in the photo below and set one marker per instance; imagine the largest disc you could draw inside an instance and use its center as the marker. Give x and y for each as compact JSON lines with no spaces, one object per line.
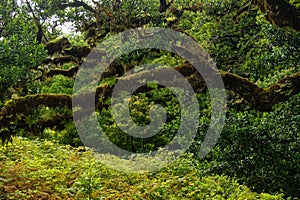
{"x":40,"y":32}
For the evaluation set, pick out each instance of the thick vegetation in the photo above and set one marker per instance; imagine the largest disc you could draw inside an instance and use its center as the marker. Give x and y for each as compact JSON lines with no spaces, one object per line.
{"x":47,"y":170}
{"x":256,"y":48}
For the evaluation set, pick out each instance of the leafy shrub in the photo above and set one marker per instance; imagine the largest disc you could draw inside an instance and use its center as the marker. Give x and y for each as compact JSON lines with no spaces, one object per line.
{"x":139,"y":106}
{"x":19,"y":54}
{"x":67,"y":136}
{"x":262,"y":150}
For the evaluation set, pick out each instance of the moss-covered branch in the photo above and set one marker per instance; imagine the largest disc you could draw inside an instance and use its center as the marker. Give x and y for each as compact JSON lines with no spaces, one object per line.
{"x":262,"y":99}
{"x":60,"y":60}
{"x":65,"y":72}
{"x":77,"y":52}
{"x":25,"y":105}
{"x":10,"y":114}
{"x":259,"y":98}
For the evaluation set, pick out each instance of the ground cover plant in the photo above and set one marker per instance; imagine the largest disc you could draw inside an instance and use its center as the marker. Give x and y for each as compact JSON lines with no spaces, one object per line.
{"x":35,"y":169}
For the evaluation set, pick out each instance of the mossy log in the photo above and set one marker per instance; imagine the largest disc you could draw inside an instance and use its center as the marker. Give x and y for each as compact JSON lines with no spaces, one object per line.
{"x":263,"y":99}
{"x":23,"y":106}
{"x":56,"y":122}
{"x":10,"y":125}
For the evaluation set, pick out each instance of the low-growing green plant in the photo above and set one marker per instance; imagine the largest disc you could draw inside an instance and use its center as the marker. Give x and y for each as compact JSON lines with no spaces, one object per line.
{"x":36,"y":169}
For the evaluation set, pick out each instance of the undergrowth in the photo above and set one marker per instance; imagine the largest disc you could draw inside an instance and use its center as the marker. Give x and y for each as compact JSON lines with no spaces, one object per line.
{"x":36,"y":169}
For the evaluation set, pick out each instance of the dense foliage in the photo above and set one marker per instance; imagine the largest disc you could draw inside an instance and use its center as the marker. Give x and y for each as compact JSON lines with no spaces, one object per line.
{"x":257,"y":47}
{"x":47,"y":170}
{"x":262,"y":149}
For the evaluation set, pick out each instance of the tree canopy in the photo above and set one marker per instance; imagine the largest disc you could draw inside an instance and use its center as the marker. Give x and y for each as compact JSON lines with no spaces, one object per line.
{"x":245,"y":39}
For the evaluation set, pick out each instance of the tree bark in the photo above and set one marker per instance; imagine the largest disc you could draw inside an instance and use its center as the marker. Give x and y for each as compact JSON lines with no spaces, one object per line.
{"x":280,"y":12}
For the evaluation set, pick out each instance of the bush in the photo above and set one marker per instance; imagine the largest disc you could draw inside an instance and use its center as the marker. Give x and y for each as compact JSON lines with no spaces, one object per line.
{"x":262,"y":150}
{"x":139,"y":106}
